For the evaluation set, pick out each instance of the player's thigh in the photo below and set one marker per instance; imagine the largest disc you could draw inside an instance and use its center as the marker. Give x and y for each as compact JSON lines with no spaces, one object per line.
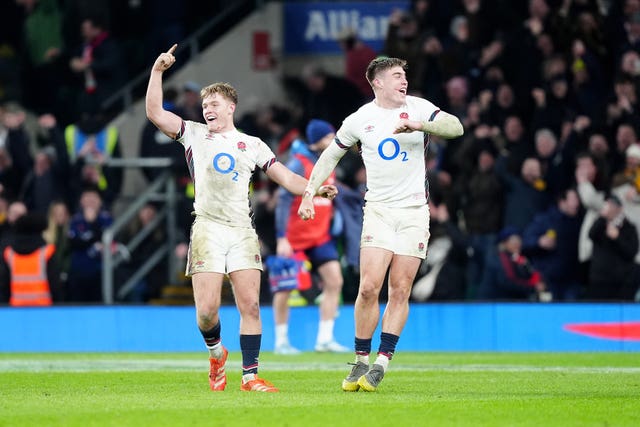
{"x":207,"y":291}
{"x":374,"y":263}
{"x":402,"y":272}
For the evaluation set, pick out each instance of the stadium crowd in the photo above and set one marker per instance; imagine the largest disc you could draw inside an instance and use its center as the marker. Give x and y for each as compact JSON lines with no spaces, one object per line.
{"x":538,"y":201}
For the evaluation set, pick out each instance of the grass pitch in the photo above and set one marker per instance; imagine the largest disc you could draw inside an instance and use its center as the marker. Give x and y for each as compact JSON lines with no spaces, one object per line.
{"x":420,"y":389}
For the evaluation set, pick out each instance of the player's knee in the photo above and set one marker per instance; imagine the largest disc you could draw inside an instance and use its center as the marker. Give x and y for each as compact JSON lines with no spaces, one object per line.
{"x":368,"y":291}
{"x":249,"y":309}
{"x":399,"y":294}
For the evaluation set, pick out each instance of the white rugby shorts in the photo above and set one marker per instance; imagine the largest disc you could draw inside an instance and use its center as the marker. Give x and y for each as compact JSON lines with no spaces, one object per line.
{"x":218,"y":248}
{"x":403,"y":231}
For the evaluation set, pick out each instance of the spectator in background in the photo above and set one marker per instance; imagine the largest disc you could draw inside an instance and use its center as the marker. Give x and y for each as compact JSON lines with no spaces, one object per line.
{"x":625,"y":135}
{"x":553,"y":105}
{"x":15,"y":140}
{"x":9,"y":180}
{"x":85,"y":242}
{"x":514,"y":143}
{"x":98,"y":65}
{"x":15,"y":210}
{"x":457,"y":55}
{"x":588,"y":84}
{"x":550,"y":241}
{"x":457,"y":96}
{"x":357,"y":56}
{"x":43,"y":42}
{"x":91,"y":142}
{"x":189,"y":103}
{"x":295,"y":238}
{"x":622,"y":106}
{"x":51,"y":141}
{"x":44,"y":183}
{"x":75,"y":11}
{"x":442,"y":276}
{"x":626,"y":186}
{"x":592,"y":196}
{"x":508,"y":274}
{"x":405,"y":41}
{"x":526,"y":194}
{"x":503,"y":104}
{"x":479,"y":196}
{"x":328,"y":97}
{"x":598,"y":148}
{"x":555,"y":161}
{"x":28,"y":275}
{"x":57,"y":234}
{"x":615,"y":245}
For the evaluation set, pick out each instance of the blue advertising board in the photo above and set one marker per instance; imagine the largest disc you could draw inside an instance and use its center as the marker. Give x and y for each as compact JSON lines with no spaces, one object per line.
{"x":314,"y":27}
{"x":430,"y":327}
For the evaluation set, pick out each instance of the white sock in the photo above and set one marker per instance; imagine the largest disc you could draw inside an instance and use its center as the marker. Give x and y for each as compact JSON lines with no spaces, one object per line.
{"x":282,"y":334}
{"x":248,"y":377}
{"x":383,"y":361}
{"x":364,"y":358}
{"x":325,"y":331}
{"x":215,"y":351}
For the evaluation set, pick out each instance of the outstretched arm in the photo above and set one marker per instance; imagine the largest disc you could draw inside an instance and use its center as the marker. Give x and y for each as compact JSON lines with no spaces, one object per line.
{"x":166,"y":121}
{"x":444,"y":125}
{"x":295,"y":183}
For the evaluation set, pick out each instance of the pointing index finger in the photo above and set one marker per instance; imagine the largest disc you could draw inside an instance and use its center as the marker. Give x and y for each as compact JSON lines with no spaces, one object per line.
{"x":173,"y":48}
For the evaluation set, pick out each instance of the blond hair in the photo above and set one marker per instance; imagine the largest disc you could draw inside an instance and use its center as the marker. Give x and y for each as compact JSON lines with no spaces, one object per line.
{"x":223,"y":89}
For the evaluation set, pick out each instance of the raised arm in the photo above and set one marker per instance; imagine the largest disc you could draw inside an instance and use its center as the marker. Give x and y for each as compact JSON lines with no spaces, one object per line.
{"x":168,"y":122}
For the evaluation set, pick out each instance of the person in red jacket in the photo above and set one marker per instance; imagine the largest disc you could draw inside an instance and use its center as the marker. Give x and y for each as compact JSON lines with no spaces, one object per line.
{"x":295,"y":239}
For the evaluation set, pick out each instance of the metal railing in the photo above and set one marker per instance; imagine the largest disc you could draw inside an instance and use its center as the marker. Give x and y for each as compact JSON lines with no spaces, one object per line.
{"x":163,"y":188}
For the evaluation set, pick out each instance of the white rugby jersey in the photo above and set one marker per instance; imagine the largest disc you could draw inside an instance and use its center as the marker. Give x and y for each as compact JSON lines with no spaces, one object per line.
{"x":395,"y":163}
{"x":221,"y":165}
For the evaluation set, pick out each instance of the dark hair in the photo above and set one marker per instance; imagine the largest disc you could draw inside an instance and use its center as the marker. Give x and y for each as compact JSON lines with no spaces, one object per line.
{"x":383,"y":63}
{"x":30,"y":223}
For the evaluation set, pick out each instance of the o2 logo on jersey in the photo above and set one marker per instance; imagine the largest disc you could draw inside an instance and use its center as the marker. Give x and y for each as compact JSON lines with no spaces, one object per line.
{"x":225,"y":163}
{"x":389,"y":149}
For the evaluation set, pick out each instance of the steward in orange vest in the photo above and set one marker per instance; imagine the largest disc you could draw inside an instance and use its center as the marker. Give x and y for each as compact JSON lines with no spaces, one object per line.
{"x":28,"y":274}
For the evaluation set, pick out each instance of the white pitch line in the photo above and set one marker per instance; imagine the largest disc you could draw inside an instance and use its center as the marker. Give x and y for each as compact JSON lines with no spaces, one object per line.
{"x":182,"y":365}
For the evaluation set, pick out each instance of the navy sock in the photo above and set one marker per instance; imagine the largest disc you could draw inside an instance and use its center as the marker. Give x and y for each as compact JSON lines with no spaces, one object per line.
{"x":212,"y":336}
{"x":388,"y":344}
{"x":250,"y":347}
{"x":363,"y":346}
